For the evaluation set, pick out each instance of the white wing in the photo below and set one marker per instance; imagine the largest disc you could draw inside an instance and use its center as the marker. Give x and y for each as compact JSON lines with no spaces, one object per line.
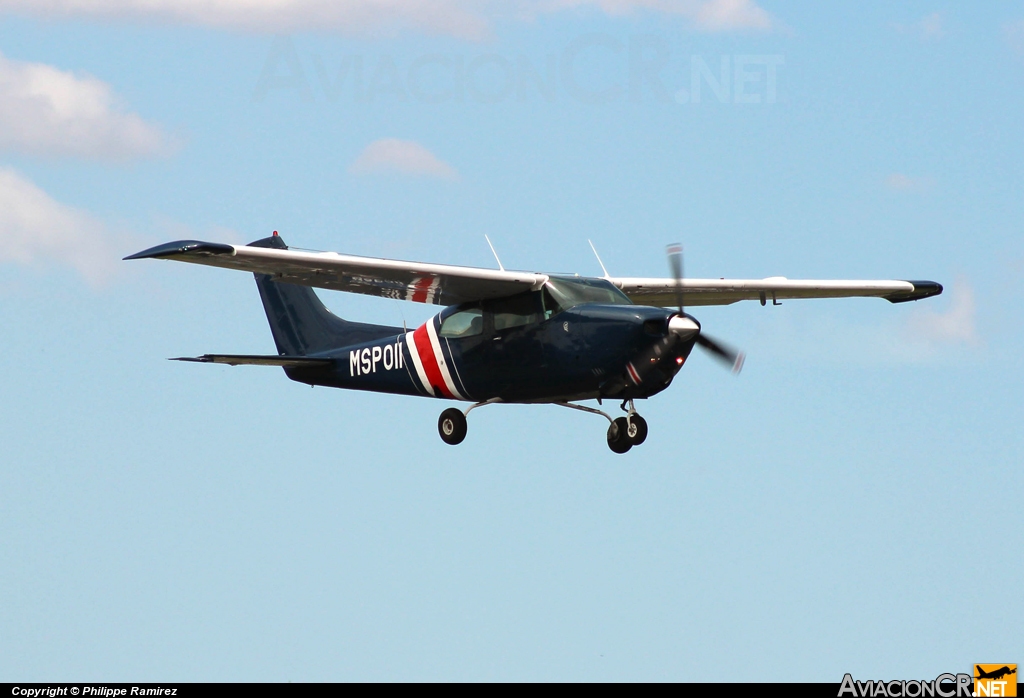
{"x":448,"y":284}
{"x":413,"y":281}
{"x":664,"y":292}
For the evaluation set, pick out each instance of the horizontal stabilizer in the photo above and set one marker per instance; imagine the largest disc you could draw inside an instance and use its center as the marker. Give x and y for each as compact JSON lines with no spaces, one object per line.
{"x":244,"y":360}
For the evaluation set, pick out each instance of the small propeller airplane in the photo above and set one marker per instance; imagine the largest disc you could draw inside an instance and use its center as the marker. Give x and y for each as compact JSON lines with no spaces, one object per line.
{"x":505,"y":336}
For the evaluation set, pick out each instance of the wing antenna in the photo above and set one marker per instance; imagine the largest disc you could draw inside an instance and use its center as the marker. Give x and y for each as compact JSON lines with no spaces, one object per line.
{"x":675,"y":263}
{"x":500,"y":265}
{"x":606,"y":274}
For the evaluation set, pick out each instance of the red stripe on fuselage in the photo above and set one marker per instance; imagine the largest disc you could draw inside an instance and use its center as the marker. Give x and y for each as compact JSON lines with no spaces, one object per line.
{"x":429,"y":361}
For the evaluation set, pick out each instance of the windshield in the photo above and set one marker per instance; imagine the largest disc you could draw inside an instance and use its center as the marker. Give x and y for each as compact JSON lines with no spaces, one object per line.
{"x":573,"y":292}
{"x":530,"y":308}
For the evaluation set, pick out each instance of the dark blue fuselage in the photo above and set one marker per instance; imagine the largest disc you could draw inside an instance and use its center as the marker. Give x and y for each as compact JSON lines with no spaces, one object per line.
{"x":587,"y":351}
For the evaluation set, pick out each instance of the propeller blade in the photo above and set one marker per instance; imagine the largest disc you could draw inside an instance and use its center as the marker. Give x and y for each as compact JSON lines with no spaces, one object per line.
{"x":730,"y":356}
{"x":683,"y":326}
{"x":675,"y":263}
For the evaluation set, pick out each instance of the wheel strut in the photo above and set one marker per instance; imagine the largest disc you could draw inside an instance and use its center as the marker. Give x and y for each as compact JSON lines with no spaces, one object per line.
{"x":583,"y":408}
{"x":452,"y":426}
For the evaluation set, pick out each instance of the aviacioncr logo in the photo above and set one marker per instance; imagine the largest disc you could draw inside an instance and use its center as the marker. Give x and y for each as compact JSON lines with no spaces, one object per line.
{"x":944,"y":686}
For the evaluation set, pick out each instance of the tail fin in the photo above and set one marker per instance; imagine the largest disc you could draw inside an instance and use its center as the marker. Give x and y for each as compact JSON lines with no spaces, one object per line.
{"x":300,"y":322}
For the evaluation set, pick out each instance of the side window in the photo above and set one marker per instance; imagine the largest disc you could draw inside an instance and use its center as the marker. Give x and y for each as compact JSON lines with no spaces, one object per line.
{"x":524,"y":309}
{"x":465,"y":323}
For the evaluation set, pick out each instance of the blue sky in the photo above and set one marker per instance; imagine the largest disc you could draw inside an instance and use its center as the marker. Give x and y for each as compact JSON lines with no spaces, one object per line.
{"x":843,"y":505}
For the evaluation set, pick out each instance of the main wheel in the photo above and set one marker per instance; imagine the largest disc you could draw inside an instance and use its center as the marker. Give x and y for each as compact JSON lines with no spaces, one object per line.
{"x":618,"y":439}
{"x":637,"y":430}
{"x":451,"y":425}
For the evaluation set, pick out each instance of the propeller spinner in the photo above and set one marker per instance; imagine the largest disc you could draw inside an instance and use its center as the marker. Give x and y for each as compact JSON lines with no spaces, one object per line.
{"x":685,"y":326}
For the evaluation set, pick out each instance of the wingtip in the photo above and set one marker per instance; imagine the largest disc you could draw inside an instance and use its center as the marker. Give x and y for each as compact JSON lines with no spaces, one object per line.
{"x":922,"y":290}
{"x":183,"y":247}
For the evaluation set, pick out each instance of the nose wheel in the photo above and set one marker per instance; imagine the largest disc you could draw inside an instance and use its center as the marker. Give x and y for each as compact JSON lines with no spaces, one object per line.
{"x":626,"y":432}
{"x":636,"y":429}
{"x":623,"y":432}
{"x":618,"y":438}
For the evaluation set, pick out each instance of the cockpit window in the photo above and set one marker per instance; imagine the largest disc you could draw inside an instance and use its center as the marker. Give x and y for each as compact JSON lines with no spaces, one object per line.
{"x":524,"y":309}
{"x":464,"y":323}
{"x":573,"y":292}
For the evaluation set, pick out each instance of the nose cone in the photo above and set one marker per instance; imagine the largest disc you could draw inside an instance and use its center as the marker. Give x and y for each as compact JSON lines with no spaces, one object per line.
{"x":683,"y":327}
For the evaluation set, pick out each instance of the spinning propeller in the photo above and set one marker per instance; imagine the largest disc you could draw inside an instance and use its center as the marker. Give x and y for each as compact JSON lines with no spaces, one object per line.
{"x":685,"y":326}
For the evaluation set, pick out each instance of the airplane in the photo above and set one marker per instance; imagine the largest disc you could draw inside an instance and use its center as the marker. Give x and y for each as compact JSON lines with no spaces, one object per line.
{"x":995,"y":674}
{"x":503,"y":336}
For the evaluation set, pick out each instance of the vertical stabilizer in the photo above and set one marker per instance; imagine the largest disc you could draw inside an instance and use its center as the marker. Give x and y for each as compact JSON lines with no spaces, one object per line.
{"x":300,"y":322}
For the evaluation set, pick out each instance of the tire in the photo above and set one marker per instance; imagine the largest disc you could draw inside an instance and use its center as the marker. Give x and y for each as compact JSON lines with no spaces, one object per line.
{"x":618,"y":441}
{"x":638,"y":431}
{"x":451,"y":425}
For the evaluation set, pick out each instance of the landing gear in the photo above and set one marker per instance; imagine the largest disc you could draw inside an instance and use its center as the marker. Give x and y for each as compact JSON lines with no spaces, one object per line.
{"x":623,"y":432}
{"x":627,"y":432}
{"x":618,"y":436}
{"x":452,"y":426}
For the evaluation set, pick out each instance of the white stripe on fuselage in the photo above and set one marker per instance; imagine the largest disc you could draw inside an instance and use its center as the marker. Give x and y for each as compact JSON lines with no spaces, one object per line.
{"x":417,"y":364}
{"x":439,"y":355}
{"x":455,"y":366}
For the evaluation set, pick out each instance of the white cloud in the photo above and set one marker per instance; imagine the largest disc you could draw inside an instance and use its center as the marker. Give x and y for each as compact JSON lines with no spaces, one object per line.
{"x":37,"y":230}
{"x":727,"y":15}
{"x":463,"y":18}
{"x":930,"y":331}
{"x":901,"y":182}
{"x":953,"y":326}
{"x":707,"y":15}
{"x":929,"y":28}
{"x":454,"y":17}
{"x":405,"y":157}
{"x":46,"y":111}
